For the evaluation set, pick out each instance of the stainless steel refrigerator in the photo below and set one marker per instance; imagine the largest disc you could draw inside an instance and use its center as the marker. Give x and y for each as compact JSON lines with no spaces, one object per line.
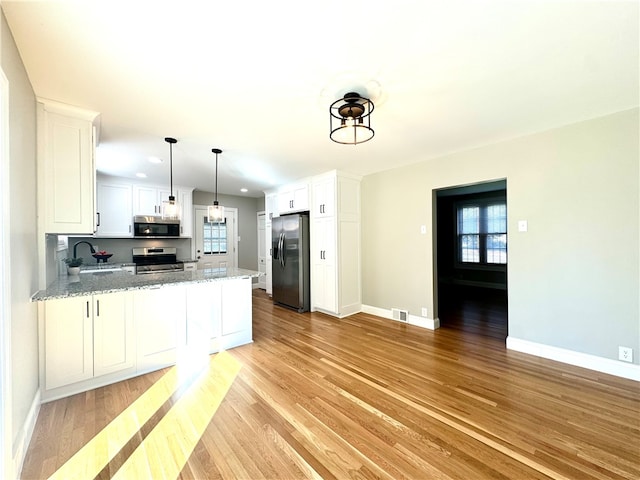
{"x":290,"y":266}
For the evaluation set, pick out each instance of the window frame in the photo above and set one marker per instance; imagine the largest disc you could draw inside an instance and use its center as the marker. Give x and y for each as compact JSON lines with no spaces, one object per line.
{"x":226,"y":237}
{"x":482,"y":204}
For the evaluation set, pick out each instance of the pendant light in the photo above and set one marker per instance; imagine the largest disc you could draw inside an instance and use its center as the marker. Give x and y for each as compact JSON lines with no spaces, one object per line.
{"x":170,"y":209}
{"x":350,"y":119}
{"x":215,"y":212}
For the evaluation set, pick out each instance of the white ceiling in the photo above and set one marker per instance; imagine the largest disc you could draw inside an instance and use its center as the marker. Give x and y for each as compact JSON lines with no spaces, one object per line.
{"x":256,"y":78}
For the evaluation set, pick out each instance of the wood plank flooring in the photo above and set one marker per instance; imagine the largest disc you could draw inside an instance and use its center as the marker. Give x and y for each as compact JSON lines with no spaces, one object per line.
{"x":364,"y":397}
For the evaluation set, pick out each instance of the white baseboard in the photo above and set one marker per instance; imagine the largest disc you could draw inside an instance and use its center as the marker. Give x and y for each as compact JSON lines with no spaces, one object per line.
{"x":585,"y":360}
{"x":22,"y":444}
{"x":429,"y":323}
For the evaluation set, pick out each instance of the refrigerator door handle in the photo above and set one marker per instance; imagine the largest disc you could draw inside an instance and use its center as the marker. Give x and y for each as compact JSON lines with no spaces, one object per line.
{"x":282,"y":250}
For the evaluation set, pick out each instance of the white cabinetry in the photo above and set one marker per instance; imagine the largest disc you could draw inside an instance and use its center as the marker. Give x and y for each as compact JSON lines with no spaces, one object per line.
{"x":236,"y":314}
{"x":66,"y":168}
{"x":293,"y":198}
{"x":91,"y":341}
{"x":262,"y":249}
{"x":185,"y":198}
{"x":335,"y":244}
{"x":115,"y":215}
{"x":323,"y":282}
{"x":147,"y":200}
{"x":86,"y":337}
{"x":160,"y":315}
{"x":271,"y":210}
{"x":218,"y":315}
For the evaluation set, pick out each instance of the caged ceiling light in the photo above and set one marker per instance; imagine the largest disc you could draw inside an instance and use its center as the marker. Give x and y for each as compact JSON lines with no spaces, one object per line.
{"x":215,"y":212}
{"x":350,"y":119}
{"x":170,"y":209}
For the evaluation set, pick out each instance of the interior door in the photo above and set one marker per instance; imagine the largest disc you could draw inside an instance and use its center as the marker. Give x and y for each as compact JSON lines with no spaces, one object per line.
{"x":216,"y":243}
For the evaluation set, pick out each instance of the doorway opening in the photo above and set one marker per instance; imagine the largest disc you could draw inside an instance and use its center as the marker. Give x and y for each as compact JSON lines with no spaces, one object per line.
{"x":471,"y":258}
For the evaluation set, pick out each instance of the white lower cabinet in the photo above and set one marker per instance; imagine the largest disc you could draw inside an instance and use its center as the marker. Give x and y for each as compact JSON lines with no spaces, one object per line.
{"x":94,"y":340}
{"x":160,"y":315}
{"x":219,"y":315}
{"x":203,"y":316}
{"x":236,"y":312}
{"x":86,"y":337}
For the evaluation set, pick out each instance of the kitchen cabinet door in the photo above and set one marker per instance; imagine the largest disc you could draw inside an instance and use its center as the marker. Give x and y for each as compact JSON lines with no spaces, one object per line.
{"x":324,"y":192}
{"x":236,"y":312}
{"x":146,"y":200}
{"x":293,"y":198}
{"x":115,"y":212}
{"x":204,"y":311}
{"x":112,"y":333}
{"x":160,"y":315}
{"x":68,"y":341}
{"x":66,"y":169}
{"x":262,"y":249}
{"x":270,"y":207}
{"x":184,"y":196}
{"x":324,"y":280}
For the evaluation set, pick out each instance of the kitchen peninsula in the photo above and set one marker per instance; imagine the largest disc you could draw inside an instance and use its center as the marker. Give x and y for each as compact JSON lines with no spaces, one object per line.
{"x":102,"y":327}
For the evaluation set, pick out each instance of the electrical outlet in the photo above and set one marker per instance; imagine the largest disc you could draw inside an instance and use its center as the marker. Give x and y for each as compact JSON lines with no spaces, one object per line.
{"x":625,"y":354}
{"x":424,"y":311}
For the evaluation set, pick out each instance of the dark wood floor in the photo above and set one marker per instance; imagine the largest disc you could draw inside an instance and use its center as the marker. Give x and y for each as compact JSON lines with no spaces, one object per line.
{"x":365,"y":397}
{"x":474,"y":310}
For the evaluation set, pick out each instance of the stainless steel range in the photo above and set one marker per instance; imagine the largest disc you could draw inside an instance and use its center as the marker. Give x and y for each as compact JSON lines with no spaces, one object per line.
{"x":156,"y":260}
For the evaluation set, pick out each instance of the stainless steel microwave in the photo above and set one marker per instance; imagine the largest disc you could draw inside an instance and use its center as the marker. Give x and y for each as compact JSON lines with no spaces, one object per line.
{"x":155,"y":227}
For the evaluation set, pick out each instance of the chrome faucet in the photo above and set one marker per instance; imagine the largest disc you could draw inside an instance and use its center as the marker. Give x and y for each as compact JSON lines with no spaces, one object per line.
{"x":75,"y":247}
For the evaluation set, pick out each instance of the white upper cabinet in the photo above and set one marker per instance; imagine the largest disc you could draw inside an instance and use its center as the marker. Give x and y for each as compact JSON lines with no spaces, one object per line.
{"x":293,"y":198}
{"x":115,"y":213}
{"x":66,"y":168}
{"x":270,"y":207}
{"x":147,"y":200}
{"x":184,"y":196}
{"x":119,"y":200}
{"x":324,"y":193}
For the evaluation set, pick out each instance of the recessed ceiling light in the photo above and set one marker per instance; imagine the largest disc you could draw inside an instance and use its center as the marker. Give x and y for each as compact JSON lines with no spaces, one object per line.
{"x":155,"y":159}
{"x":244,"y":190}
{"x":141,"y":175}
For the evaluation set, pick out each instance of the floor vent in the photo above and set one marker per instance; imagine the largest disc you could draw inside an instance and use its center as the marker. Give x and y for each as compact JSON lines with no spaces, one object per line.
{"x":398,"y":314}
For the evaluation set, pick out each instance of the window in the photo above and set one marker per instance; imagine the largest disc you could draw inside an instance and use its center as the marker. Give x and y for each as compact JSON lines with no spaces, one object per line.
{"x":482,"y":232}
{"x":215,"y":237}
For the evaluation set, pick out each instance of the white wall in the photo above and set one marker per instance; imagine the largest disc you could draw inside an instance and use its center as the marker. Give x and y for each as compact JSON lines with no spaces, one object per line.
{"x":573,"y":278}
{"x":24,"y":254}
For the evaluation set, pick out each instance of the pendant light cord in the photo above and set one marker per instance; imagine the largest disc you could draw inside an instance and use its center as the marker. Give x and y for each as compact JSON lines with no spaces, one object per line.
{"x":216,"y":177}
{"x":171,"y":168}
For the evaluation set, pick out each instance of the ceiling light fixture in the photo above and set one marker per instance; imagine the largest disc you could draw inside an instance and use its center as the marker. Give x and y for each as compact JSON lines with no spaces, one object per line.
{"x":350,"y":119}
{"x":215,"y":212}
{"x":171,"y":209}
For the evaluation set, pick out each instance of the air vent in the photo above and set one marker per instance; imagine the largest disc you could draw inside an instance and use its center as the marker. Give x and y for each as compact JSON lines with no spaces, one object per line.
{"x":398,"y":314}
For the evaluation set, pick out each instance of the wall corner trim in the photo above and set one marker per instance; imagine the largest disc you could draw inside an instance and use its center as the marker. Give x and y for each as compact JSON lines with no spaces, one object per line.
{"x":428,"y":323}
{"x":630,"y":371}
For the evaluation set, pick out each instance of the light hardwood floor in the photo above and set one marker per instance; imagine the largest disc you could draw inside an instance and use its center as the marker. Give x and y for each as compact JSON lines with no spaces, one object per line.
{"x":364,"y":397}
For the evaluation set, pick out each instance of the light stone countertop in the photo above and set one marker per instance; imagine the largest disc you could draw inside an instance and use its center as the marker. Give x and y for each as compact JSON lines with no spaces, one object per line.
{"x":117,"y":281}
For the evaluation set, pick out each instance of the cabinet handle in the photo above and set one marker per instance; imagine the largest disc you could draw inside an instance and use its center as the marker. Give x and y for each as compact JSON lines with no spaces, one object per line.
{"x":98,"y":307}
{"x":98,"y":215}
{"x":87,"y":309}
{"x":129,"y":228}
